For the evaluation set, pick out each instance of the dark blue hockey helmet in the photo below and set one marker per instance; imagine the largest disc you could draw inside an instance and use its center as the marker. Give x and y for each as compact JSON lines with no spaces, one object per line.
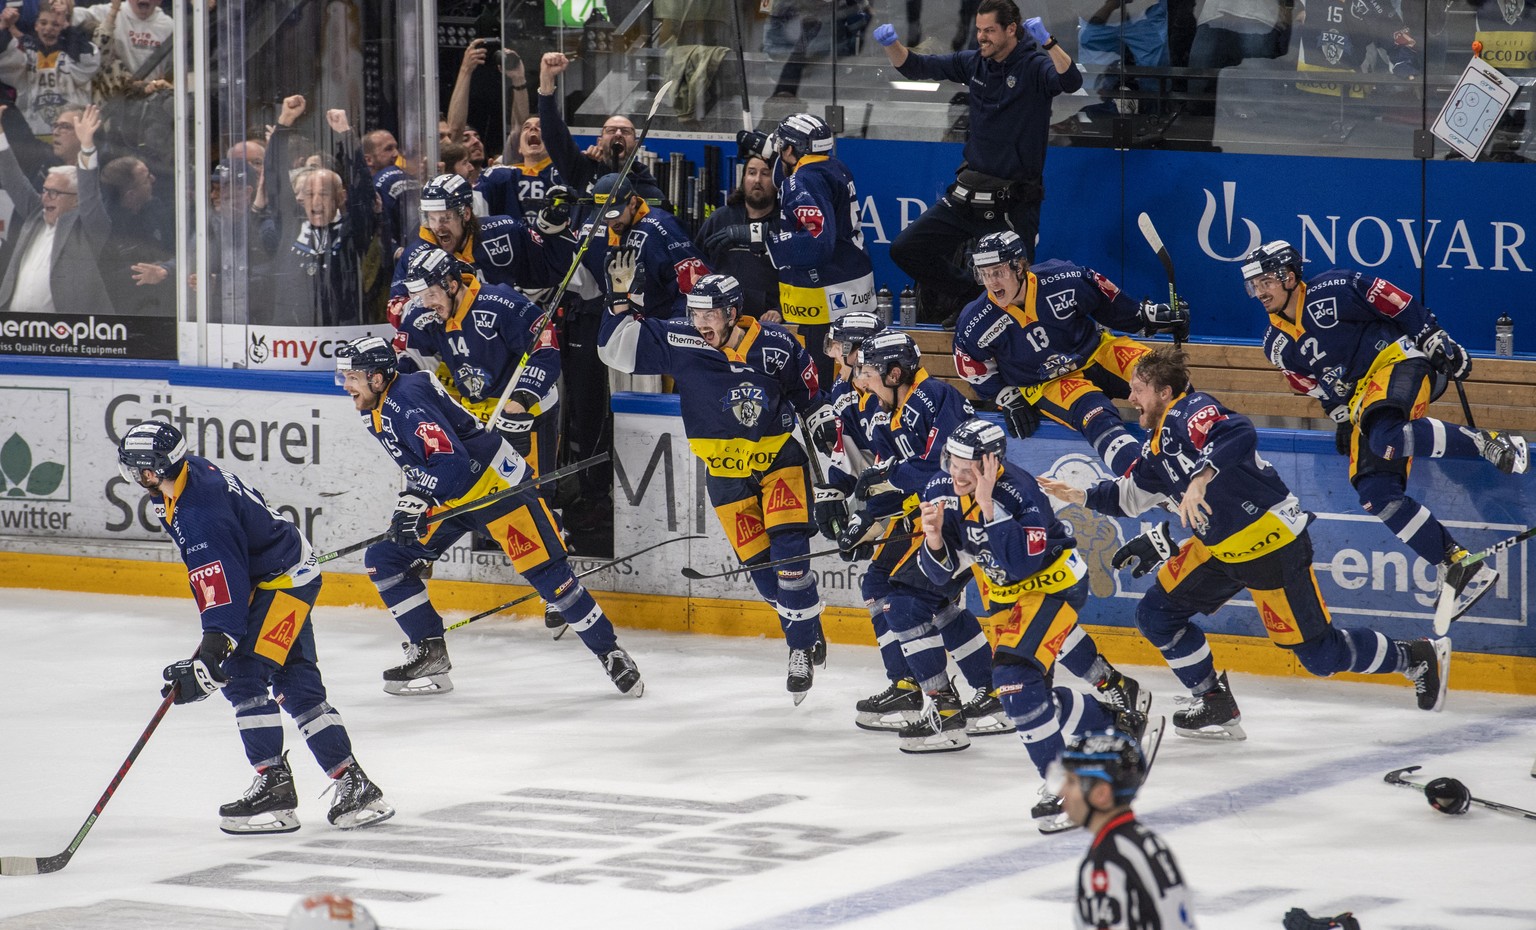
{"x":1110,"y":756}
{"x":1270,"y":258}
{"x":716,"y":292}
{"x":612,"y":195}
{"x":154,"y":445}
{"x":973,"y":439}
{"x":852,"y":329}
{"x":446,"y":192}
{"x":431,"y":267}
{"x":368,"y":354}
{"x":997,"y":248}
{"x":891,"y":348}
{"x":809,"y":135}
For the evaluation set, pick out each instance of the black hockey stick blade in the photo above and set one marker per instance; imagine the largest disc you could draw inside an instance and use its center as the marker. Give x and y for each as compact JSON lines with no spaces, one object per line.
{"x":1395,"y":777}
{"x":596,"y":568}
{"x":475,"y":504}
{"x":28,"y":865}
{"x":1466,"y":408}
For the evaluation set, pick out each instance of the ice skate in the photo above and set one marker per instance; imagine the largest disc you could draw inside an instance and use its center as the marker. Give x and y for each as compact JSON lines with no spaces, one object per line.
{"x":553,"y":622}
{"x":939,"y":728}
{"x":1429,"y":668}
{"x":801,"y":674}
{"x":1213,"y":715}
{"x":1507,"y":451}
{"x":425,"y":670}
{"x":984,"y":715}
{"x":1122,"y":692}
{"x":891,"y":709}
{"x":1461,"y":586}
{"x":358,"y":802}
{"x":269,"y":805}
{"x":625,"y":674}
{"x":1048,"y":815}
{"x":819,"y":651}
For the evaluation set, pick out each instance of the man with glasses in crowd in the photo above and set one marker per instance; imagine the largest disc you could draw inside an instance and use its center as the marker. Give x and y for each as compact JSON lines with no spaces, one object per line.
{"x":578,"y":169}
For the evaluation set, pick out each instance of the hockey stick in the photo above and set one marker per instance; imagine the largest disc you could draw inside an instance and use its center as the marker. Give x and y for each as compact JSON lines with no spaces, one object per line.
{"x":1466,"y":408}
{"x":1499,"y":546}
{"x":475,"y":504}
{"x":694,"y":574}
{"x":819,"y":473}
{"x":586,"y":240}
{"x":1149,"y":232}
{"x":1395,"y":777}
{"x":27,"y":865}
{"x":596,"y":568}
{"x":741,"y":64}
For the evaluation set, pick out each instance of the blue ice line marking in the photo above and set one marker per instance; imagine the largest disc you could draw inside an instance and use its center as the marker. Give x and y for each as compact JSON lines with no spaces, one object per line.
{"x":1051,"y":850}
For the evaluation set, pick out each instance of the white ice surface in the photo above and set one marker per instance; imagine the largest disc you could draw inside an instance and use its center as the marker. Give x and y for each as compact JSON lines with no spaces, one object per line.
{"x":1296,"y":816}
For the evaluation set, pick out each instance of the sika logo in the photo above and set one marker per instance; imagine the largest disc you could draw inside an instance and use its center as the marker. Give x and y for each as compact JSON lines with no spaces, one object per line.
{"x":1272,"y":620}
{"x":748,"y":528}
{"x":519,"y":545}
{"x":1208,"y":218}
{"x":282,"y":633}
{"x":782,"y":499}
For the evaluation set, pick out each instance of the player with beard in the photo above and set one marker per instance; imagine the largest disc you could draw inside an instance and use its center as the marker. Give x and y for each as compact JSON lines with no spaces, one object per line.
{"x":755,"y":200}
{"x":668,"y":264}
{"x":741,"y":383}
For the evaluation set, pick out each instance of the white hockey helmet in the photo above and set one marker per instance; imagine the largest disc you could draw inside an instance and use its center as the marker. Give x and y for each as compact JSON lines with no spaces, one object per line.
{"x":329,"y":911}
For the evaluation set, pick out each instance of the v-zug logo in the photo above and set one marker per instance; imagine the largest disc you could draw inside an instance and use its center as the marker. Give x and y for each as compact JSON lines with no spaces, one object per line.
{"x":1208,"y":219}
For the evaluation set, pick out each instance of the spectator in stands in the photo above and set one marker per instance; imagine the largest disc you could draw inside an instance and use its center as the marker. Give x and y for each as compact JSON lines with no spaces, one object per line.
{"x":54,"y":266}
{"x":455,"y":123}
{"x":50,"y":69}
{"x":1228,"y":33}
{"x":580,"y":169}
{"x":755,"y":200}
{"x":143,"y":232}
{"x":397,"y":190}
{"x":318,"y":271}
{"x":135,"y":35}
{"x":66,"y":144}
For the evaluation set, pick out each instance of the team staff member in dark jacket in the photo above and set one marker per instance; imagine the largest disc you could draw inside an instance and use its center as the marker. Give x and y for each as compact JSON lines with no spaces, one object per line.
{"x":255,"y":580}
{"x":1250,"y":532}
{"x":580,"y":169}
{"x":446,"y":459}
{"x":755,"y":200}
{"x":1010,"y":81}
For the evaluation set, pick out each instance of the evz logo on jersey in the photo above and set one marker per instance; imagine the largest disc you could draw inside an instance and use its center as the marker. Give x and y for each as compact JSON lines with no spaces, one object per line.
{"x":810,"y":219}
{"x":1200,"y":423}
{"x":745,"y":402}
{"x":434,"y":439}
{"x":1325,"y":312}
{"x":209,"y":585}
{"x":485,"y":321}
{"x":774,"y":360}
{"x":499,"y":250}
{"x":1034,"y":539}
{"x":1062,"y":303}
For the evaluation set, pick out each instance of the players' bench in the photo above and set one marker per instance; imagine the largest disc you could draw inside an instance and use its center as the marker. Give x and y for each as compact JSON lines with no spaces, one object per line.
{"x":1501,"y":391}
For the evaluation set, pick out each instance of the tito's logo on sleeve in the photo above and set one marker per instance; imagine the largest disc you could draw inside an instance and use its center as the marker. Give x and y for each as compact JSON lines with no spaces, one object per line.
{"x":810,"y":219}
{"x":434,"y":439}
{"x":209,"y":586}
{"x":1200,"y":423}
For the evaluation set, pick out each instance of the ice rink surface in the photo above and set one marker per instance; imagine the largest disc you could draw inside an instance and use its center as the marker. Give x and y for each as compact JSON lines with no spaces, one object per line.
{"x":535,"y":795}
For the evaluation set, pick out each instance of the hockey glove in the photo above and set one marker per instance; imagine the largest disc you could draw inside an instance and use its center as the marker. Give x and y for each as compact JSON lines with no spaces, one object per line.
{"x":751,"y":144}
{"x":857,"y":540}
{"x":1037,"y":30}
{"x":737,"y":236}
{"x":885,"y":34}
{"x":1298,"y":919}
{"x":409,"y":519}
{"x":874,"y":480}
{"x":517,"y":428}
{"x":1162,"y":318}
{"x":1019,"y":415}
{"x":1445,"y":355}
{"x":821,"y":423}
{"x":555,"y":218}
{"x":1146,"y":552}
{"x":1343,"y":434}
{"x":195,"y":678}
{"x":623,"y":264}
{"x":831,"y":512}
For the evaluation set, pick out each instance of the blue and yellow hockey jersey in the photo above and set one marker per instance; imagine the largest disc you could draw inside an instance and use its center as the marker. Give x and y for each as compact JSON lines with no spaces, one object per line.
{"x":824,"y":271}
{"x":503,"y":250}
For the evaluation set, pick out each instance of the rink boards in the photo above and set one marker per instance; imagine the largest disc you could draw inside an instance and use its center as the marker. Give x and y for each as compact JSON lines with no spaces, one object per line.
{"x":68,"y":520}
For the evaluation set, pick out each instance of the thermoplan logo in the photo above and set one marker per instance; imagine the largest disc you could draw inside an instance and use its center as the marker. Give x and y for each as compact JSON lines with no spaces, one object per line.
{"x":89,"y":329}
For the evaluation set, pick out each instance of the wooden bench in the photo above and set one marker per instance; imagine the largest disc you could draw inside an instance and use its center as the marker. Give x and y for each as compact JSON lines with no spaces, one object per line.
{"x":1501,"y":391}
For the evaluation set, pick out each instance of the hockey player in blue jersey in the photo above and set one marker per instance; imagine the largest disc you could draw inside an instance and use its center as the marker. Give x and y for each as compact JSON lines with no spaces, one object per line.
{"x":446,"y":458}
{"x":824,"y":271}
{"x":987,"y":517}
{"x":923,"y":619}
{"x":501,"y":249}
{"x":741,"y":384}
{"x":255,"y":579}
{"x":1249,"y":532}
{"x":1375,"y":357}
{"x":1037,"y":343}
{"x":668,"y":263}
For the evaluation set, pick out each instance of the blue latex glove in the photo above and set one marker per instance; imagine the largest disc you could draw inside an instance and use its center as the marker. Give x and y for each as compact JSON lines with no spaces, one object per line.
{"x":885,"y":34}
{"x":1035,"y":28}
